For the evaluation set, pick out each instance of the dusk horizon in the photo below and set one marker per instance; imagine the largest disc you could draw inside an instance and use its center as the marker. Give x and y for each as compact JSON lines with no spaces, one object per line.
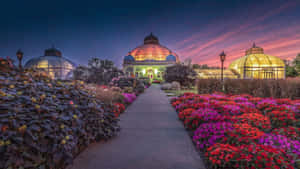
{"x":198,"y":30}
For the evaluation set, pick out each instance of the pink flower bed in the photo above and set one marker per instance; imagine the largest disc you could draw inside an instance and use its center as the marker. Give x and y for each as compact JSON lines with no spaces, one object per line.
{"x":129,"y":97}
{"x":241,"y":131}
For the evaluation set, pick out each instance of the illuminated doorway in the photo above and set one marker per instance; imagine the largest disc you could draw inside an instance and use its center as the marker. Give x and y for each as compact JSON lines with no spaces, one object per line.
{"x":150,"y":74}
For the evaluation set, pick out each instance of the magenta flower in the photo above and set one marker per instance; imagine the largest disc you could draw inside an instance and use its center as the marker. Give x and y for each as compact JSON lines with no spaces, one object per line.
{"x":281,"y":142}
{"x":129,"y":97}
{"x":208,"y":134}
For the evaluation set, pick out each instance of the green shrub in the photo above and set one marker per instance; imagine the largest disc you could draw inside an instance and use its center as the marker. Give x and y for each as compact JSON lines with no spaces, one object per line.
{"x":98,"y":72}
{"x":284,"y":88}
{"x":183,"y":74}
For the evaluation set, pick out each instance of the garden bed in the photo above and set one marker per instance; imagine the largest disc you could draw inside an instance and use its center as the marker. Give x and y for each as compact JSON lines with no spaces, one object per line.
{"x":45,"y":123}
{"x":241,"y":131}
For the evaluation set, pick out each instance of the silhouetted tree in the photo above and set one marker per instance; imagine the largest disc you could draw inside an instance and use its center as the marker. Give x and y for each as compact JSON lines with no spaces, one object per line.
{"x":98,"y":71}
{"x":183,"y":74}
{"x":291,"y":71}
{"x":296,"y":63}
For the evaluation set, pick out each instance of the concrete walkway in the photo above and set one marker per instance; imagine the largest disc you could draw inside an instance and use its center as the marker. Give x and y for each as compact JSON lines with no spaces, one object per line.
{"x":151,"y":137}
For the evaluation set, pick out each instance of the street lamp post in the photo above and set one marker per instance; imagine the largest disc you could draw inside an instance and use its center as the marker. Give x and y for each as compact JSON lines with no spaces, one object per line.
{"x":20,"y":57}
{"x":222,"y":58}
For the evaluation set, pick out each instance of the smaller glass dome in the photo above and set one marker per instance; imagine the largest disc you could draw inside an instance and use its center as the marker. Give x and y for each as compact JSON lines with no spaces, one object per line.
{"x":53,"y":63}
{"x":257,"y":64}
{"x":171,"y":58}
{"x":129,"y":58}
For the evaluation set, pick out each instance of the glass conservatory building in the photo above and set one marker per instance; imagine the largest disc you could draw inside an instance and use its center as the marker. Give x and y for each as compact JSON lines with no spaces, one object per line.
{"x":215,"y":74}
{"x":257,"y":65}
{"x":53,"y":63}
{"x":149,"y":60}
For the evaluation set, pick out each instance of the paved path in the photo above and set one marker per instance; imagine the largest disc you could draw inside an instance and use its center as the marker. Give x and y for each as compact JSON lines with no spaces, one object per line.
{"x":151,"y":137}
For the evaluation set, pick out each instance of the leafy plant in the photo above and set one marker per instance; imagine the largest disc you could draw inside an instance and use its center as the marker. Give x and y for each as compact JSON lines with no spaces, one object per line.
{"x":183,"y":74}
{"x":284,"y":88}
{"x":45,"y":123}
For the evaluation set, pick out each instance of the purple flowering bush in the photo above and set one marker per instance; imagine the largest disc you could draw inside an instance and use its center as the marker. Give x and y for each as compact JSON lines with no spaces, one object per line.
{"x":292,"y":147}
{"x":208,"y":134}
{"x":203,"y":115}
{"x":231,"y":110}
{"x":129,"y":97}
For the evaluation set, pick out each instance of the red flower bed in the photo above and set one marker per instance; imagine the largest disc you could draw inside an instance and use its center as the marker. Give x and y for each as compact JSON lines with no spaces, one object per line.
{"x":222,"y":154}
{"x":118,"y":109}
{"x":186,"y":113}
{"x":260,"y":121}
{"x":281,"y":118}
{"x":250,"y":156}
{"x":241,"y":131}
{"x":290,"y":132}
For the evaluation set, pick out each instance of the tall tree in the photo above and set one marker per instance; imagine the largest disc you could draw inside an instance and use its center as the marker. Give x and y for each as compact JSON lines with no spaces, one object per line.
{"x":296,"y":63}
{"x":183,"y":74}
{"x":98,"y":71}
{"x":291,"y":71}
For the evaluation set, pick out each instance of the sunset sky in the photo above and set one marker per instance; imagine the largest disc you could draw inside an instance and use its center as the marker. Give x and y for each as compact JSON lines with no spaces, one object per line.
{"x":195,"y":29}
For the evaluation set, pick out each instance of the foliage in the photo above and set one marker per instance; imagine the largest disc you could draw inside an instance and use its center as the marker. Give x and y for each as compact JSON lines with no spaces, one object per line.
{"x":170,"y":86}
{"x":46,"y":123}
{"x":98,"y":72}
{"x":296,"y":63}
{"x":204,"y":66}
{"x":291,"y":71}
{"x":6,"y":65}
{"x":183,"y":74}
{"x":108,"y":95}
{"x":166,"y":86}
{"x":129,"y":84}
{"x":145,"y":81}
{"x":288,"y":88}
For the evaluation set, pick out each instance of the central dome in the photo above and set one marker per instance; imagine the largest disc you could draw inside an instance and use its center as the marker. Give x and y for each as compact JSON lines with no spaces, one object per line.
{"x":151,"y":50}
{"x":151,"y":39}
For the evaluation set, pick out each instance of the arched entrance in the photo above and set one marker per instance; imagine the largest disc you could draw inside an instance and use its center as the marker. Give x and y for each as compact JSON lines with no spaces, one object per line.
{"x":150,"y":74}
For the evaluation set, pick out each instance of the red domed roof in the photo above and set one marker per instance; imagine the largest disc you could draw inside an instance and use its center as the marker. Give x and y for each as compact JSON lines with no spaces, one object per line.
{"x":151,"y":51}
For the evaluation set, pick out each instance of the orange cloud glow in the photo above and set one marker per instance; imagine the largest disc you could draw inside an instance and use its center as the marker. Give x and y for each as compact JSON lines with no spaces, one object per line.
{"x":280,"y":40}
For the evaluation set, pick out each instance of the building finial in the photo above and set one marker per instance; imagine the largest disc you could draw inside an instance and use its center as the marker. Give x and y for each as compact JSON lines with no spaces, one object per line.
{"x":19,"y":50}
